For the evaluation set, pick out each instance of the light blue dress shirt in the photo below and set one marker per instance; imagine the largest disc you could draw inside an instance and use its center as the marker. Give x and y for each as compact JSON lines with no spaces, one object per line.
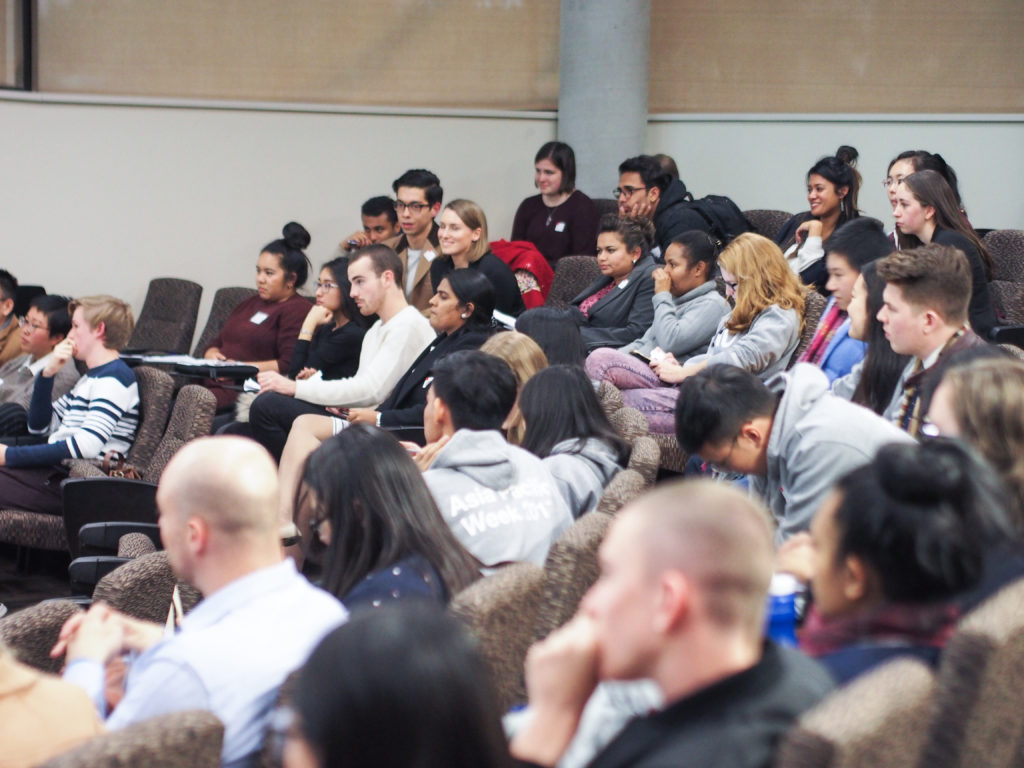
{"x":230,"y":656}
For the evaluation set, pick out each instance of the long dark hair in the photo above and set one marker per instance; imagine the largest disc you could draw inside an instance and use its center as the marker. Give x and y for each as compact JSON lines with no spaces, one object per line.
{"x":380,"y":511}
{"x":557,"y":332}
{"x":289,"y":248}
{"x":882,"y":367}
{"x":339,"y":272}
{"x":472,"y":287}
{"x":401,"y":685}
{"x":559,"y":403}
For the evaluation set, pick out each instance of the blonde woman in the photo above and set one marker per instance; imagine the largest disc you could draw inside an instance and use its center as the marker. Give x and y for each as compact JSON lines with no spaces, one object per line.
{"x":525,"y":358}
{"x":462,"y":234}
{"x":759,"y":335}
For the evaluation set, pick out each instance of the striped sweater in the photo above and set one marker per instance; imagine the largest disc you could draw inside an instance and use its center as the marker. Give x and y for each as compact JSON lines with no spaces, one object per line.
{"x":100,"y":414}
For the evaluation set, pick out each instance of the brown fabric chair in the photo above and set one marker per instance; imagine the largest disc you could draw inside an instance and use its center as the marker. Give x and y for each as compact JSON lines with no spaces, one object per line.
{"x":168,"y":317}
{"x":133,"y":545}
{"x":610,"y":397}
{"x":40,"y":531}
{"x":605,"y":205}
{"x":877,"y":719}
{"x":1006,"y":247}
{"x":979,"y":716}
{"x":673,"y":457}
{"x":224,"y":301}
{"x":142,"y":588}
{"x":32,"y":632}
{"x":767,"y":222}
{"x":645,"y":458}
{"x":187,"y":739}
{"x":571,"y":569}
{"x":501,"y":611}
{"x":629,"y":423}
{"x":623,"y":488}
{"x":814,"y":305}
{"x":1012,"y":351}
{"x":572,"y":275}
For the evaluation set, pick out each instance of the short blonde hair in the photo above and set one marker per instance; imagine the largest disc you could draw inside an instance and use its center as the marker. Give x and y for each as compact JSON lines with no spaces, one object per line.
{"x":116,"y":316}
{"x":525,"y":357}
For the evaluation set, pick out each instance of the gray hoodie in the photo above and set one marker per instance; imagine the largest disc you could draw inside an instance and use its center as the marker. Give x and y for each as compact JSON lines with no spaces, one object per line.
{"x":816,"y":438}
{"x":581,"y":476}
{"x":499,"y":500}
{"x":763,"y":349}
{"x":685,"y":324}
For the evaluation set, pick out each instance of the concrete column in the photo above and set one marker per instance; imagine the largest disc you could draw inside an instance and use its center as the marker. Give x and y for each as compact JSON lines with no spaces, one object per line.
{"x":603,"y":76}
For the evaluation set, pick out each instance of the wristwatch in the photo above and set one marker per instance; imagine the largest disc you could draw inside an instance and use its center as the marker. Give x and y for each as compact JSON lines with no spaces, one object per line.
{"x":378,"y":418}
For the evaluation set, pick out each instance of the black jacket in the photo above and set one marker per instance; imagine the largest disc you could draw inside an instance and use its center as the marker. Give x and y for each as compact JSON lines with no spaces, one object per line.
{"x":624,"y":314}
{"x":673,"y":216}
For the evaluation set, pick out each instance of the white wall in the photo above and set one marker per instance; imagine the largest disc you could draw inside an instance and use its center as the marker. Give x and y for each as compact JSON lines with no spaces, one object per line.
{"x":102,"y":197}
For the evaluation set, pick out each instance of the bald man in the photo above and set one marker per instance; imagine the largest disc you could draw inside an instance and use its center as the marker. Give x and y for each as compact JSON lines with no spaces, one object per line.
{"x":259,"y":620}
{"x":684,"y":574}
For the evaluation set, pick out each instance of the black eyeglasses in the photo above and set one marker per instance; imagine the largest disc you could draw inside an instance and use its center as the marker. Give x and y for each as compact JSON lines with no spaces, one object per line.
{"x":414,"y":207}
{"x":627,"y":191}
{"x":34,"y":326}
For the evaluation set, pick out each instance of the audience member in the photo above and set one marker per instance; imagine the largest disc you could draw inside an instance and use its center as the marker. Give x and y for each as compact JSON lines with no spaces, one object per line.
{"x":925,"y":316}
{"x":9,"y":336}
{"x":463,"y":236}
{"x":46,"y":325}
{"x":873,"y":380}
{"x":789,"y":434}
{"x":329,"y":344}
{"x":832,"y":187}
{"x":759,"y":335}
{"x":926,"y":209}
{"x":561,"y":220}
{"x":680,"y":599}
{"x":525,"y":358}
{"x":380,"y":223}
{"x":418,"y":196}
{"x":687,"y":311}
{"x":617,"y":307}
{"x":404,"y":686}
{"x":646,"y":191}
{"x":668,"y":164}
{"x":258,"y":620}
{"x":912,"y":161}
{"x":854,"y":244}
{"x":499,"y":500}
{"x":889,"y":550}
{"x":363,"y":497}
{"x":557,"y":333}
{"x":568,"y":429}
{"x":42,"y":715}
{"x":98,"y":416}
{"x":263,"y":329}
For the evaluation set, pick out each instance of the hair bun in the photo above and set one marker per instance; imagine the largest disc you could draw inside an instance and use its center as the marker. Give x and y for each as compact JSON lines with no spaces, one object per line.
{"x":925,"y":474}
{"x":296,"y":235}
{"x":847,"y":154}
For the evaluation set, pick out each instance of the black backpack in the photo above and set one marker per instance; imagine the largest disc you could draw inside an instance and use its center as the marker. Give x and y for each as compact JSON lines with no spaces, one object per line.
{"x":724,"y":218}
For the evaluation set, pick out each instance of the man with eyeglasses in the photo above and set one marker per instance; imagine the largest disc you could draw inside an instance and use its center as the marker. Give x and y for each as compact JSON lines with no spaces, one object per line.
{"x":9,"y":336}
{"x":789,"y":434}
{"x":646,"y":191}
{"x":418,"y":196}
{"x":42,"y":329}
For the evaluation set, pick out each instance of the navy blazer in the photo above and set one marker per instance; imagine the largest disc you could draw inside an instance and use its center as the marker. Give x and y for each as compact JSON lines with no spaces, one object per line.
{"x":625,"y":313}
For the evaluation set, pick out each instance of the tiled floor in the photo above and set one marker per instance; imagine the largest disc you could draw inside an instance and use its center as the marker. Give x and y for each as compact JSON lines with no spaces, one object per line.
{"x":46,"y":576}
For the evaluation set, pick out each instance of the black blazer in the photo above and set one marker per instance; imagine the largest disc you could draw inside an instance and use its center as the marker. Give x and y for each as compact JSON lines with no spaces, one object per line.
{"x":625,"y":313}
{"x":404,"y":406}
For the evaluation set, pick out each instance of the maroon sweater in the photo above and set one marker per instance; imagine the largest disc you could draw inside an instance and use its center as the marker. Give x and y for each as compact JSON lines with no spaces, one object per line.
{"x":571,"y":231}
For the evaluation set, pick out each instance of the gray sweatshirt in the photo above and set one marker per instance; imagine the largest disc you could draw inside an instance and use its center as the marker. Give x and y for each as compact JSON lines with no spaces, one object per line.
{"x":581,"y":477}
{"x":815,"y":439}
{"x":499,"y":500}
{"x":763,"y":349}
{"x":683,"y":325}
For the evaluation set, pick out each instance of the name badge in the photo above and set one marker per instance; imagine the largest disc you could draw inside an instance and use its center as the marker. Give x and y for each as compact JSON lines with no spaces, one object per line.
{"x":560,"y":226}
{"x":624,"y":283}
{"x":429,"y":255}
{"x":258,"y":318}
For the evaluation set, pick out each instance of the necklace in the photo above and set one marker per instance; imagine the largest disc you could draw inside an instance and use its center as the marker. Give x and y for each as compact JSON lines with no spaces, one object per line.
{"x":552,"y":211}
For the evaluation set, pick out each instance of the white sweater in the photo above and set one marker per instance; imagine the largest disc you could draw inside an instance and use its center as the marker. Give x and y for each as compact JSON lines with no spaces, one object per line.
{"x":388,"y":351}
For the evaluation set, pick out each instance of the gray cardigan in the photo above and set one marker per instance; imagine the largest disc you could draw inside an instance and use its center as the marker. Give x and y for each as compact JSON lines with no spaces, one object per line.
{"x":683,"y":325}
{"x":764,"y":349}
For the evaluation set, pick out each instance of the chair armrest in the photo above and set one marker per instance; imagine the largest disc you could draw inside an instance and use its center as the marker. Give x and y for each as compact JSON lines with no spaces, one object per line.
{"x":1007,"y":334}
{"x":86,"y":572}
{"x":103,"y":538}
{"x":105,"y":499}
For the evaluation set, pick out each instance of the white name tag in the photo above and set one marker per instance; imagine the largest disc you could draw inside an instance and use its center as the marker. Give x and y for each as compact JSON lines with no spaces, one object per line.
{"x":560,"y":226}
{"x":429,"y":255}
{"x":258,"y":318}
{"x":624,"y":283}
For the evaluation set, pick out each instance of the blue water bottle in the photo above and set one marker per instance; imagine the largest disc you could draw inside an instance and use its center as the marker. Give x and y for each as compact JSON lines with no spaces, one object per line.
{"x":781,"y":613}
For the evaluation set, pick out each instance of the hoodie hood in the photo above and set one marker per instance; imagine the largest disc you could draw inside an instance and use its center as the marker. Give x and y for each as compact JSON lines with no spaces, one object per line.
{"x":482,"y":456}
{"x":594,"y":454}
{"x":801,"y":388}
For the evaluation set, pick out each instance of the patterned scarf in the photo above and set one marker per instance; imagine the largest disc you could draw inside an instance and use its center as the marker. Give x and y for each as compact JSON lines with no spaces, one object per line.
{"x":920,"y":625}
{"x":826,"y":329}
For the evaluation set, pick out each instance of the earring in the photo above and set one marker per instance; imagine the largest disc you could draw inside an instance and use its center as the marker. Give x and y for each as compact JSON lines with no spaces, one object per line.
{"x":464,"y":315}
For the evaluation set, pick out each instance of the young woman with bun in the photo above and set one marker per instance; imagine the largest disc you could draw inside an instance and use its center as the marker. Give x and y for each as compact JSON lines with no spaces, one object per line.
{"x":926,"y":211}
{"x":262,"y":330}
{"x":561,"y":220}
{"x":889,"y":552}
{"x":832,"y":187}
{"x":616,"y":308}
